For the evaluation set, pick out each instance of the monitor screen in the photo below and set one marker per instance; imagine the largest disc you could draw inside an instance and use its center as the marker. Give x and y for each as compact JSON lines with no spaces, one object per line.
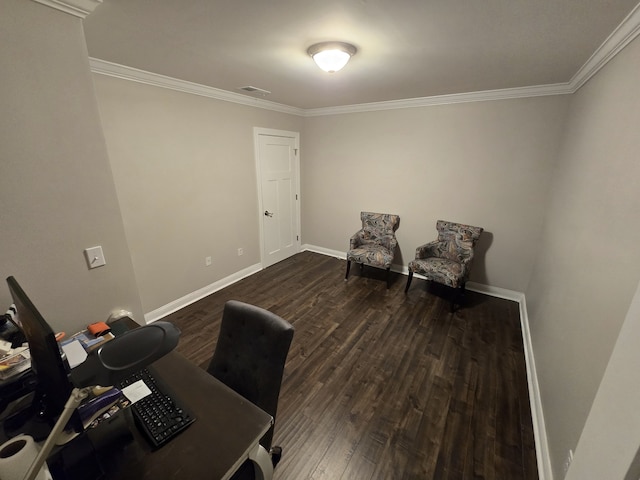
{"x":53,"y":384}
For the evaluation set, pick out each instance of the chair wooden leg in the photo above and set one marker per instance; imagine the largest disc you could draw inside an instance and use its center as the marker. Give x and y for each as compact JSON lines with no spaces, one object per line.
{"x":453,"y":297}
{"x":409,"y":278}
{"x":388,"y":277}
{"x":276,"y":455}
{"x":348,"y":268}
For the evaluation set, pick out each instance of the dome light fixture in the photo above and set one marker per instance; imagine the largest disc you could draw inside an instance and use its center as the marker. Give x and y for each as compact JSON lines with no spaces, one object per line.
{"x":331,"y":56}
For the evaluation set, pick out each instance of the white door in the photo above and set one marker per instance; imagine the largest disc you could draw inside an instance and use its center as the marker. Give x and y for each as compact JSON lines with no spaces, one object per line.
{"x":277,"y":169}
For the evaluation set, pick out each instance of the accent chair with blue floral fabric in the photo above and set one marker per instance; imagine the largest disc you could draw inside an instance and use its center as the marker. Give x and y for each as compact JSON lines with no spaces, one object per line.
{"x":448,"y":259}
{"x":375,"y":243}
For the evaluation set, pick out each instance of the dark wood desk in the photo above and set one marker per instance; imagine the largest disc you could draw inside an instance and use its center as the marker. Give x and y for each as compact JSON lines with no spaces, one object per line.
{"x":225,"y":434}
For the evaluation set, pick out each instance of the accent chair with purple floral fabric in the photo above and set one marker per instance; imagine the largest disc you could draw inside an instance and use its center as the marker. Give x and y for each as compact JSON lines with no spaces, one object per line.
{"x":375,"y":243}
{"x":448,"y":259}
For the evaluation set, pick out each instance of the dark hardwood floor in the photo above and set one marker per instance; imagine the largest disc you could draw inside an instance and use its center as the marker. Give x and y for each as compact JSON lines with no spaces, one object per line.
{"x":383,"y":385}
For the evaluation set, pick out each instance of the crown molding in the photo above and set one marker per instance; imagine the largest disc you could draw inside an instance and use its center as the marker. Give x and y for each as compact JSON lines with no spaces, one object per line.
{"x":78,"y":8}
{"x":103,"y":67}
{"x":620,"y":38}
{"x":627,"y":31}
{"x":504,"y":94}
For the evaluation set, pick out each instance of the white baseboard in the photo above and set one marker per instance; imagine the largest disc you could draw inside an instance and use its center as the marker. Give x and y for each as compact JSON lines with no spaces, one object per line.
{"x":537,"y":416}
{"x":325,"y":251}
{"x":193,"y":297}
{"x":343,"y":256}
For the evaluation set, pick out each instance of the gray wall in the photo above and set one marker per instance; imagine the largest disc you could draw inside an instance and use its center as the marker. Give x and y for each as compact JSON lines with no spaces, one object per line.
{"x":487,"y":164}
{"x":57,"y":195}
{"x":184,"y":169}
{"x":588,"y":264}
{"x":185,"y":173}
{"x":609,"y":443}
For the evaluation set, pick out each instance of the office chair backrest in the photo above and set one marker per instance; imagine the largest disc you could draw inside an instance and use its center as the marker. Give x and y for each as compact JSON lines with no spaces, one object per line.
{"x":250,"y":356}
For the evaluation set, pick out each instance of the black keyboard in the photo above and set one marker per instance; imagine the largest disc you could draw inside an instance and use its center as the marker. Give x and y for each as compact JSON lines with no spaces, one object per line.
{"x":159,"y":415}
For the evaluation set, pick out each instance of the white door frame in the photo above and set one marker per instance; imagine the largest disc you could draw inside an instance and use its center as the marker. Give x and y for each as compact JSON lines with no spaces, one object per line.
{"x":257,"y":131}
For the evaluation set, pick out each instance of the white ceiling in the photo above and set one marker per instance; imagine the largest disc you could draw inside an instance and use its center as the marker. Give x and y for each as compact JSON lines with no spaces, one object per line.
{"x":406,"y":48}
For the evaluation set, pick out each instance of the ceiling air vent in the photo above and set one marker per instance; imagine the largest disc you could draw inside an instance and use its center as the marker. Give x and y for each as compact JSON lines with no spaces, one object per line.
{"x":257,"y":90}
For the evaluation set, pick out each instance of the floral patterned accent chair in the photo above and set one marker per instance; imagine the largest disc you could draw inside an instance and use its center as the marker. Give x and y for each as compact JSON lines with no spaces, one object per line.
{"x":375,"y":243}
{"x":448,"y":259}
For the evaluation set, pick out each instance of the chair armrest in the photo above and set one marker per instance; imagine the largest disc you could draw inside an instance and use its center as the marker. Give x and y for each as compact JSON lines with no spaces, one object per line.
{"x":466,"y":264}
{"x":428,"y":250}
{"x":390,"y":242}
{"x":356,"y":240}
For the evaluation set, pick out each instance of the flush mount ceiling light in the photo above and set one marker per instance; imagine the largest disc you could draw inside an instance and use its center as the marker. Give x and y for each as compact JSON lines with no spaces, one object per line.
{"x":331,"y":56}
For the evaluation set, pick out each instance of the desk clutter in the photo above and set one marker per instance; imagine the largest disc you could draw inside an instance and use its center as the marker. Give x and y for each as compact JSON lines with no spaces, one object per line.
{"x":102,"y":407}
{"x":158,"y":414}
{"x":95,"y":335}
{"x":14,"y":361}
{"x":78,"y":346}
{"x":14,"y":352}
{"x":74,"y":418}
{"x":15,"y":358}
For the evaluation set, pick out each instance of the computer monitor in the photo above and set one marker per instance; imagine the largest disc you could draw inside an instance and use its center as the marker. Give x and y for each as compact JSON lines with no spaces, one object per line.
{"x":52,"y":374}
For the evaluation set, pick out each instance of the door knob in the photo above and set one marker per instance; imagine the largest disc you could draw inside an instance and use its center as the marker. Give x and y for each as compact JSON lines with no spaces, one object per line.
{"x":267,"y":213}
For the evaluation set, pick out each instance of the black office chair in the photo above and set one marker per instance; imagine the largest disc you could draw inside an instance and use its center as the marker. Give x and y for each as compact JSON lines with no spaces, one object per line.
{"x":249,"y":358}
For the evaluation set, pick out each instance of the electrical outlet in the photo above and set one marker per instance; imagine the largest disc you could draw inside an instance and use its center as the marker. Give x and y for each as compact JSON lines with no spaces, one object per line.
{"x":568,"y":460}
{"x":240,"y":251}
{"x":207,"y":261}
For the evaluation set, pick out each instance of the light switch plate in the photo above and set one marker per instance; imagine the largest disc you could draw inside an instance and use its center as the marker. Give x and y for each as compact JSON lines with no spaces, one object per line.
{"x":95,"y":257}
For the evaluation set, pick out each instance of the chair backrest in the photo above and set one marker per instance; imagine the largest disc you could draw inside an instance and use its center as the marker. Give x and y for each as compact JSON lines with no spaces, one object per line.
{"x":250,"y":356}
{"x":378,"y":225}
{"x":458,"y":240}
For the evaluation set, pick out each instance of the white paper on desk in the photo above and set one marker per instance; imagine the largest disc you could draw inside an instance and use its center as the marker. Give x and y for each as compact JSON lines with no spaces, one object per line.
{"x":75,"y":352}
{"x":136,"y":391}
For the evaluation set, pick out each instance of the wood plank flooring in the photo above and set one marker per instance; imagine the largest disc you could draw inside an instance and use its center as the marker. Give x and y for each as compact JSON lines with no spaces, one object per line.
{"x":383,"y":385}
